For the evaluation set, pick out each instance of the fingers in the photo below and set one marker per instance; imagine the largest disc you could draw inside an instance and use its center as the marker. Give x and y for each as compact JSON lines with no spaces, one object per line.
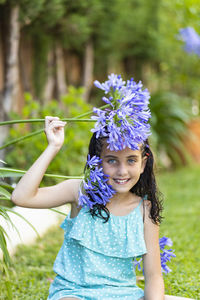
{"x":54,"y":130}
{"x":49,"y":119}
{"x":53,"y":122}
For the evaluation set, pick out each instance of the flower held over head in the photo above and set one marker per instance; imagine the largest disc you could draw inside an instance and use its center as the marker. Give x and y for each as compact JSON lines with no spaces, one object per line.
{"x":125,"y":122}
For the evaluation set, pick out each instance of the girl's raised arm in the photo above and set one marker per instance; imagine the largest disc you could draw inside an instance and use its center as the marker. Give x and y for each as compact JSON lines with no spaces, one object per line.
{"x":27,"y":192}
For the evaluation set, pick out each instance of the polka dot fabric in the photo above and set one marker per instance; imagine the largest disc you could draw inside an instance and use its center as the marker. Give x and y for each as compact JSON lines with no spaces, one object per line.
{"x":96,"y":259}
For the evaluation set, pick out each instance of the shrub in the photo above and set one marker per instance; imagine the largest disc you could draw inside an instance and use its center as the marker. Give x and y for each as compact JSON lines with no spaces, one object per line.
{"x":71,"y":159}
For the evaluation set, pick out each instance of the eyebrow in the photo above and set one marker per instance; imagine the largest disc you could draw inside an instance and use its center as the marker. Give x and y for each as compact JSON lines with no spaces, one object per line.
{"x":113,"y":156}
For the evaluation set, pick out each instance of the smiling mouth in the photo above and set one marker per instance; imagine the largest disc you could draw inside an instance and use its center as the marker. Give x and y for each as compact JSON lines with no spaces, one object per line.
{"x":121,"y":181}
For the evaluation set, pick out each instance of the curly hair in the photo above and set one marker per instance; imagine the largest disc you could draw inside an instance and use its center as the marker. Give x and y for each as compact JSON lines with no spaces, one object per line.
{"x":145,"y":188}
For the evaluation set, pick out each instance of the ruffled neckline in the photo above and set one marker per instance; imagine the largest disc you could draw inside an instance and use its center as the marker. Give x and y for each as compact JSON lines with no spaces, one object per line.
{"x":111,"y":214}
{"x":121,"y":236}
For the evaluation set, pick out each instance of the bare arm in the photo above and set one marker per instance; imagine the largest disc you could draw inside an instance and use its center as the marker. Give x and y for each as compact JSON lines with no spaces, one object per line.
{"x":27,"y":192}
{"x":154,"y":285}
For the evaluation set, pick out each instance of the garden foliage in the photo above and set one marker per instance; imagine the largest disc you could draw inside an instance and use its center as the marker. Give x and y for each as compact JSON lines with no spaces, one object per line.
{"x":72,"y":157}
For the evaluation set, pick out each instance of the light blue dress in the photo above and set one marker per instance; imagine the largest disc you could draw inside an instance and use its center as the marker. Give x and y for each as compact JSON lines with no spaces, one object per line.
{"x":95,"y":261}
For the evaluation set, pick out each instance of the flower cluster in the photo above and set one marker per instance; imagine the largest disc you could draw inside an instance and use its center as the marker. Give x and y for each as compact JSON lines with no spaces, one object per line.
{"x":191,"y":39}
{"x":94,"y":188}
{"x":165,"y":255}
{"x":125,"y":122}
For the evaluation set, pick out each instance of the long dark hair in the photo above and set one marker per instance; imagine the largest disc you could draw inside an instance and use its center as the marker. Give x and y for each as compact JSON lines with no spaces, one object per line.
{"x":146,"y":186}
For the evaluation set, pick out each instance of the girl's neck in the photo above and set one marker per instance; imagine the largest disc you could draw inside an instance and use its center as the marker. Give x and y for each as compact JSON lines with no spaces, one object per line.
{"x":123,"y":202}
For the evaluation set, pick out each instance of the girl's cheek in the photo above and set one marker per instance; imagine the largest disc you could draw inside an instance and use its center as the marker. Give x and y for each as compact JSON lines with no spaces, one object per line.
{"x":104,"y":168}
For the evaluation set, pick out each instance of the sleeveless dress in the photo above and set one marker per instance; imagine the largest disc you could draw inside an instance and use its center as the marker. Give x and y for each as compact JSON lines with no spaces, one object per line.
{"x":95,"y":261}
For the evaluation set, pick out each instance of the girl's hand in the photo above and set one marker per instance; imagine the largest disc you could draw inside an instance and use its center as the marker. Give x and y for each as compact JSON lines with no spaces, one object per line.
{"x":54,"y":130}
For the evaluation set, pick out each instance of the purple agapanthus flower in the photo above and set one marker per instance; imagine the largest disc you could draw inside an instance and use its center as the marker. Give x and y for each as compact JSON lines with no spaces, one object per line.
{"x":94,"y":161}
{"x":165,"y":255}
{"x":191,"y":39}
{"x":125,"y":123}
{"x":94,"y":188}
{"x":114,"y":82}
{"x":165,"y":241}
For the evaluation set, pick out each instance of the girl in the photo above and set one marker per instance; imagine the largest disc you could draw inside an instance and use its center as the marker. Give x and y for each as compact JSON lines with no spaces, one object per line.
{"x":96,"y":259}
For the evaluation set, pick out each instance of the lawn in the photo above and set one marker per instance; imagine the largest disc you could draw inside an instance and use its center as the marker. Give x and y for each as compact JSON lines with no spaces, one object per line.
{"x":32,"y":265}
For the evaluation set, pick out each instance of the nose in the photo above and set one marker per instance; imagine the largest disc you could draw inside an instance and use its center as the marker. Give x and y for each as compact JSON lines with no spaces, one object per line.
{"x":122,"y":170}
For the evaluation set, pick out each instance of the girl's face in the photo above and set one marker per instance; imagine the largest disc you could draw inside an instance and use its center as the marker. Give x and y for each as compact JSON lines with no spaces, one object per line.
{"x":123,"y":167}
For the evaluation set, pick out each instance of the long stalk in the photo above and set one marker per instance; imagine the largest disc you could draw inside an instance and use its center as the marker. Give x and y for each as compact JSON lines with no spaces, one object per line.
{"x":90,"y":112}
{"x":22,"y":138}
{"x":75,"y":119}
{"x":9,"y":172}
{"x":42,"y":120}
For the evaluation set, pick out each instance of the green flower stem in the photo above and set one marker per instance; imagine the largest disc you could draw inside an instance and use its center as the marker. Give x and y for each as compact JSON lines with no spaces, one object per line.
{"x":63,"y":176}
{"x":75,"y":119}
{"x":90,"y":112}
{"x":35,"y":132}
{"x":22,"y":138}
{"x":42,"y":120}
{"x":8,"y":172}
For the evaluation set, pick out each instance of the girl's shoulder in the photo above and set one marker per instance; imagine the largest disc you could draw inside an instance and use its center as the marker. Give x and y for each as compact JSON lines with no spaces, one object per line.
{"x":147,"y":204}
{"x":145,"y":209}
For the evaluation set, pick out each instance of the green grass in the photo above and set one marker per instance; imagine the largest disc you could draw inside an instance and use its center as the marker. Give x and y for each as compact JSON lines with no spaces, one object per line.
{"x":181,"y":224}
{"x":32,"y":265}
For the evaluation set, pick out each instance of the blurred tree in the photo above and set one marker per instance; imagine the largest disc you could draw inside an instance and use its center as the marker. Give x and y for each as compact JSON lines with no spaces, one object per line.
{"x":170,"y":115}
{"x":137,"y":38}
{"x":11,"y":74}
{"x":69,"y":25}
{"x":178,"y":71}
{"x":133,"y":36}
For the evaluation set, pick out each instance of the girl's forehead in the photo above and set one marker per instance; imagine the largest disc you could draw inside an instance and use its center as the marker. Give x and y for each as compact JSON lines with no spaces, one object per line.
{"x":125,"y":152}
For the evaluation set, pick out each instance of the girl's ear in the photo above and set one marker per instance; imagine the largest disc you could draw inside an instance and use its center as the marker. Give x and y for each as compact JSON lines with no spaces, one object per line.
{"x":144,"y":161}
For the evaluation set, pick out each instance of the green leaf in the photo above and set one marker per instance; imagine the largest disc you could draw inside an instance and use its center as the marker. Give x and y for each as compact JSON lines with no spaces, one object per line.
{"x":4,"y":199}
{"x":6,"y":186}
{"x":3,"y":213}
{"x":8,"y":282}
{"x":8,"y":172}
{"x":3,"y":162}
{"x":19,"y":215}
{"x":57,"y":211}
{"x":3,"y":246}
{"x":4,"y":192}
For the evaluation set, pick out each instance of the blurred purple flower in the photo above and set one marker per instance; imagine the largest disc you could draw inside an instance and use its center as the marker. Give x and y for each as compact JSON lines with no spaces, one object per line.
{"x":191,"y":39}
{"x":165,"y":255}
{"x":125,"y":123}
{"x":137,"y":264}
{"x":165,"y":241}
{"x":94,"y":188}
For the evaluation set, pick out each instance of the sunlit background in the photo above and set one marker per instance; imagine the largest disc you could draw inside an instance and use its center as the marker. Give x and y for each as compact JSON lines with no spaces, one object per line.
{"x":51,"y":51}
